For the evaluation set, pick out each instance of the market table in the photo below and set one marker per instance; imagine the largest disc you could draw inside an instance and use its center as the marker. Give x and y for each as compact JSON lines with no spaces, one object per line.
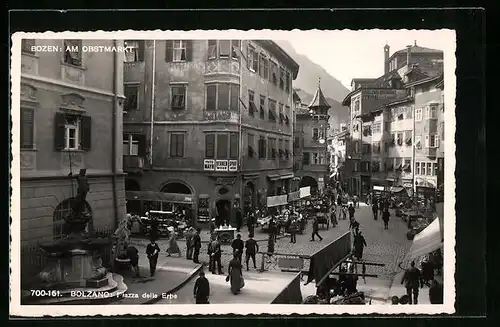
{"x":225,"y":235}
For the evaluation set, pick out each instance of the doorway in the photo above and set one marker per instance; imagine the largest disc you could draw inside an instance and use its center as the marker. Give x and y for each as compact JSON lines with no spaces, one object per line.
{"x":223,"y":212}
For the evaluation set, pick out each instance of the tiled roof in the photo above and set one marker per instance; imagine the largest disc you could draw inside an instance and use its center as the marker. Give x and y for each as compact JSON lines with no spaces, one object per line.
{"x":418,"y":49}
{"x":319,"y":100}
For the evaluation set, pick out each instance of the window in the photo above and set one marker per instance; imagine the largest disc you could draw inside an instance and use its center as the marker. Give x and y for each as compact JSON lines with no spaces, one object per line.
{"x":212,"y":49}
{"x":135,"y":51}
{"x":288,"y":82}
{"x":263,"y":66}
{"x":179,"y":51}
{"x":400,"y":139}
{"x":399,"y":164}
{"x":27,"y":46}
{"x":176,"y":145}
{"x":280,"y":149}
{"x":134,"y":145}
{"x":315,"y":132}
{"x":365,"y":167}
{"x":262,"y":147}
{"x":376,"y":127}
{"x":234,"y":145}
{"x":431,"y":112}
{"x":73,"y":52}
{"x":418,"y":140}
{"x":287,"y":112}
{"x":417,"y":168}
{"x":356,"y":166}
{"x":272,"y":149}
{"x":273,"y":72}
{"x":409,"y":112}
{"x":356,"y":146}
{"x":432,"y":141}
{"x":429,"y":168}
{"x":178,"y":97}
{"x":262,"y":107}
{"x":434,"y":169}
{"x":222,"y":96}
{"x":72,"y":132}
{"x":387,"y":126}
{"x":27,"y":128}
{"x":418,"y":114}
{"x":272,"y":110}
{"x":251,"y":103}
{"x":282,"y":78}
{"x":287,"y":148}
{"x":253,"y":59}
{"x":222,"y":146}
{"x":422,"y":168}
{"x":224,"y":48}
{"x":281,"y":115}
{"x":366,"y":148}
{"x":441,"y":130}
{"x":356,"y":106}
{"x":375,"y":166}
{"x":408,"y":137}
{"x":251,"y":150}
{"x":367,"y":130}
{"x":306,"y":158}
{"x":235,"y":49}
{"x":376,"y":147}
{"x":407,"y":165}
{"x":210,"y":146}
{"x":131,"y":97}
{"x":296,"y":142}
{"x":389,"y":164}
{"x":315,"y":158}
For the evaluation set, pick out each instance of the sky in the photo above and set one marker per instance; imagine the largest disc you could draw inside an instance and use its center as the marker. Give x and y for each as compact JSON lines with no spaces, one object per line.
{"x":359,"y":54}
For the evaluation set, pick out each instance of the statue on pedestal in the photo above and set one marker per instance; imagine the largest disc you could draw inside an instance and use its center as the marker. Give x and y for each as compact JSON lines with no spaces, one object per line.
{"x":77,"y":220}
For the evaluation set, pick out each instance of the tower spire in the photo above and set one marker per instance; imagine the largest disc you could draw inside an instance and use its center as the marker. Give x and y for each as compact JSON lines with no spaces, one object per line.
{"x":319,"y":82}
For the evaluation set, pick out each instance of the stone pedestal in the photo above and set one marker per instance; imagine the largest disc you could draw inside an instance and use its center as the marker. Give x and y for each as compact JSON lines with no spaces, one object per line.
{"x":79,"y":267}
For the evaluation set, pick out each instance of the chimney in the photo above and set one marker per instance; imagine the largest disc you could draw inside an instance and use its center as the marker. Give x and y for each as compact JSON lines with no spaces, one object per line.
{"x":408,"y":56}
{"x":386,"y":58}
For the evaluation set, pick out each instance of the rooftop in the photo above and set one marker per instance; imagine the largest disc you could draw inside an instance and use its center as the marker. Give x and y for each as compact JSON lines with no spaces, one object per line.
{"x":319,"y":100}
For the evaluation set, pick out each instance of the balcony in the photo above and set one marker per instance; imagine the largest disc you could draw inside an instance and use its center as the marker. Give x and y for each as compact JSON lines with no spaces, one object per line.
{"x":222,"y":66}
{"x":430,"y":126}
{"x":133,"y":163}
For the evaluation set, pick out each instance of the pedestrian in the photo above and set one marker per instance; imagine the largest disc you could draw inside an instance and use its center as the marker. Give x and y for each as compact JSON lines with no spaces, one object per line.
{"x":173,"y":247}
{"x":152,"y":251}
{"x":252,"y":247}
{"x":189,"y":243}
{"x":315,"y":230}
{"x":239,"y":220}
{"x":436,"y":292}
{"x":292,"y":229}
{"x":250,"y":223}
{"x":133,"y":255}
{"x":385,"y":217}
{"x":411,"y":280}
{"x":359,"y":245}
{"x":212,"y":226}
{"x":196,"y":246}
{"x":351,"y":212}
{"x":355,"y":201}
{"x":237,"y":246}
{"x":202,"y":289}
{"x":235,"y":275}
{"x":354,"y":226}
{"x":272,"y":228}
{"x":333,"y":218}
{"x":375,"y":210}
{"x":214,"y":253}
{"x":270,"y":245}
{"x":427,"y":272}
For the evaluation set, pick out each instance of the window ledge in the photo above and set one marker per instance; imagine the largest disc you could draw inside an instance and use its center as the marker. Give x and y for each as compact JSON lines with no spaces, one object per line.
{"x":72,"y":150}
{"x":83,"y":68}
{"x":33,"y":55}
{"x":29,"y":150}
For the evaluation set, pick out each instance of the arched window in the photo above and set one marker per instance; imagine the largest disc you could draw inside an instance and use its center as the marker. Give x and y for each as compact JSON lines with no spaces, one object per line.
{"x":63,"y":209}
{"x":176,"y":187}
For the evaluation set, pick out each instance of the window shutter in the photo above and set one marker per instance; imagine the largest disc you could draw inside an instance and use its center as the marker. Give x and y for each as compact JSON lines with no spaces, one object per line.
{"x":233,"y":146}
{"x":141,"y":138}
{"x":436,"y":141}
{"x":59,"y":131}
{"x":427,"y":141}
{"x":142,"y":45}
{"x":86,"y":134}
{"x":27,"y":128}
{"x":209,"y":146}
{"x":169,"y":51}
{"x":180,"y":145}
{"x":248,"y":56}
{"x":189,"y":50}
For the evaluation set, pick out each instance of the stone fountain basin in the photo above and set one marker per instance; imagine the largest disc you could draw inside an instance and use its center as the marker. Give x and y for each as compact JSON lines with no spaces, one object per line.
{"x":68,"y":245}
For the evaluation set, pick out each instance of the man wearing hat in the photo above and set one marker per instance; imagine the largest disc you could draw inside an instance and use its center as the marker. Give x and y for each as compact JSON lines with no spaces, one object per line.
{"x":189,"y":243}
{"x":196,"y":241}
{"x":202,"y":289}
{"x":238,"y":246}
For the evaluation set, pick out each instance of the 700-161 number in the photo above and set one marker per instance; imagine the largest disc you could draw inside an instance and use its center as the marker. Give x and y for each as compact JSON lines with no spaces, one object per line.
{"x":43,"y":293}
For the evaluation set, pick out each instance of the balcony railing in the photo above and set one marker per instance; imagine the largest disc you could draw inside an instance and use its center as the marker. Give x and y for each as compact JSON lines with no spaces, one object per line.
{"x":133,"y":162}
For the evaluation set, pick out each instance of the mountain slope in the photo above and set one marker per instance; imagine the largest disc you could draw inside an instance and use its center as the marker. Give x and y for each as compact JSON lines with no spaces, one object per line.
{"x":338,"y":113}
{"x":309,"y":72}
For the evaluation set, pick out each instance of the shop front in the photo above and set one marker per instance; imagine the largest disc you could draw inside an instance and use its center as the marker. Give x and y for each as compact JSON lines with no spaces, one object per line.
{"x":365,"y":186}
{"x":161,"y":201}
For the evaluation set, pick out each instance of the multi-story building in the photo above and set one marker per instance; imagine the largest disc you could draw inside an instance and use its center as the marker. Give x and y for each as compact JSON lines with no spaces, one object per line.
{"x":381,"y":112}
{"x":337,"y":151}
{"x":70,"y":119}
{"x":310,"y":142}
{"x":208,"y":124}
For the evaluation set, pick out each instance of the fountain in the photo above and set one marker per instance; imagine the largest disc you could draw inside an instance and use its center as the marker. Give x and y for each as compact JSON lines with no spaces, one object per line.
{"x":74,"y":264}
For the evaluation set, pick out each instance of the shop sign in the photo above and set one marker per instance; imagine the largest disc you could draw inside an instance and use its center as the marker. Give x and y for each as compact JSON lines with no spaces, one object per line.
{"x":233,"y":165}
{"x":209,"y":164}
{"x":225,"y":180}
{"x":293,"y":196}
{"x":221,"y":165}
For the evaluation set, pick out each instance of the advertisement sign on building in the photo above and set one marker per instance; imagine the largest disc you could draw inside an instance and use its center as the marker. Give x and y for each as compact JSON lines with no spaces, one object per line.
{"x":279,"y":200}
{"x":305,"y":191}
{"x":221,"y":165}
{"x":209,"y":164}
{"x":233,"y":165}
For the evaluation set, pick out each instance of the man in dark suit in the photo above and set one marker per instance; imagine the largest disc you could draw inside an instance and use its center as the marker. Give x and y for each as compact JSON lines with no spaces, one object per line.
{"x":252,"y":249}
{"x":196,"y":242}
{"x":202,"y":289}
{"x":237,"y":246}
{"x":411,"y":280}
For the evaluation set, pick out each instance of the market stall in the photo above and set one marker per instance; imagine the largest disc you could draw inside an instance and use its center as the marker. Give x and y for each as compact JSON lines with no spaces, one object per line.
{"x":204,"y":208}
{"x":226,"y":234}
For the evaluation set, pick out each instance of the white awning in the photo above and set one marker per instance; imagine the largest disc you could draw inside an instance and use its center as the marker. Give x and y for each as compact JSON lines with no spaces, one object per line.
{"x":427,"y":241}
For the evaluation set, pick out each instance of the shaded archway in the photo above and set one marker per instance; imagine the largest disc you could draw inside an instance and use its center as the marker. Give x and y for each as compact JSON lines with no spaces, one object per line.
{"x":63,"y":210}
{"x":249,"y":197}
{"x":132,"y":185}
{"x":133,"y":206}
{"x":306,"y":181}
{"x":176,"y":187}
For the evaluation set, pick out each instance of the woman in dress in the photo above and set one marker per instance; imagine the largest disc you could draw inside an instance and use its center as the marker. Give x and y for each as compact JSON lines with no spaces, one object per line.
{"x":235,"y":276}
{"x":173,"y":247}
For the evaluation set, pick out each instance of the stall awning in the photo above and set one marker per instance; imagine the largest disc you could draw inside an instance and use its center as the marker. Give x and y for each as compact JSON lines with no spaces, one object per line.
{"x":378,"y":188}
{"x":279,"y":200}
{"x":293,"y":196}
{"x":287,"y":176}
{"x":158,"y":197}
{"x":305,"y":191}
{"x":396,"y":189}
{"x":426,"y":241}
{"x":273,"y":177}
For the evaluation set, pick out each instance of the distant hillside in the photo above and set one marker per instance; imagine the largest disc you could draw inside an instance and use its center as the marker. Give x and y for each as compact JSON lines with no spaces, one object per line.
{"x":338,"y":113}
{"x":309,"y":72}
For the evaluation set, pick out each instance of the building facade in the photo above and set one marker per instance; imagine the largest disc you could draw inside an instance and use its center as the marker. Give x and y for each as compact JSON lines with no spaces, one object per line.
{"x":395,"y":126}
{"x":208,"y":123}
{"x":70,"y":119}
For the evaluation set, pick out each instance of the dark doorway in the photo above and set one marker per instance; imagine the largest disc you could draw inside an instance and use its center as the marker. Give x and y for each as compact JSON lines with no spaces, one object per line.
{"x":176,"y":187}
{"x":133,"y":206}
{"x":309,"y":181}
{"x":223,"y":212}
{"x":249,"y":198}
